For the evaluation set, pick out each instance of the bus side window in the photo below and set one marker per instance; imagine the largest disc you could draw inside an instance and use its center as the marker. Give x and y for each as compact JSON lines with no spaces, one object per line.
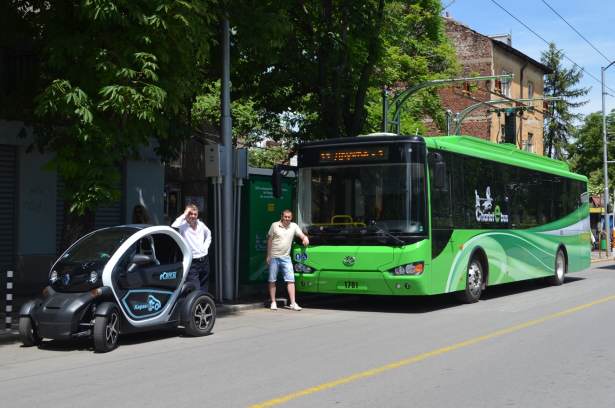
{"x":439,"y":176}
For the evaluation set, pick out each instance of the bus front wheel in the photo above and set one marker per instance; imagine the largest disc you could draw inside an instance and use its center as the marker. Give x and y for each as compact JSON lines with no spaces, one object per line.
{"x":559,"y":274}
{"x":474,"y":282}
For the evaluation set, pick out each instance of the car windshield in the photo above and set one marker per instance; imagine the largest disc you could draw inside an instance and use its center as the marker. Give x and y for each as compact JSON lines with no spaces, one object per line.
{"x":98,"y":246}
{"x":377,"y":204}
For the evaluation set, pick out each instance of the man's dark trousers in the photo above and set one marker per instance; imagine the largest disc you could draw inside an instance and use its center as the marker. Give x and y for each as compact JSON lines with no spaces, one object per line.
{"x":199,"y":273}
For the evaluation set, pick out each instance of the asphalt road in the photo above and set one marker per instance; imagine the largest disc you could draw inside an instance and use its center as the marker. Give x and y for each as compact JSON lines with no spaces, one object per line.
{"x":524,"y":345}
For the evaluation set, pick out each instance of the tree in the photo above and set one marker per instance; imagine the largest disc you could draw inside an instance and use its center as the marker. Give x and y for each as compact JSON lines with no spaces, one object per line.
{"x":115,"y":75}
{"x":587,"y":151}
{"x":561,"y":82}
{"x":322,"y":63}
{"x":267,"y":157}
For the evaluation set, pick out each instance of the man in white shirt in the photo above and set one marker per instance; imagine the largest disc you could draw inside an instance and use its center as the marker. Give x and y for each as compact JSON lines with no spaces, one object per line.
{"x":198,"y":238}
{"x":279,"y":240}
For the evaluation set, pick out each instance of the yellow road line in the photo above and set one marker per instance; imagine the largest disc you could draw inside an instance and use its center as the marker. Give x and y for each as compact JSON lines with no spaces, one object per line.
{"x":420,"y":357}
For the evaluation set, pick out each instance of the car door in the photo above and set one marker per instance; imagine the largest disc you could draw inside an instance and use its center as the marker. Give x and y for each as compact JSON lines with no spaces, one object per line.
{"x":149,"y":275}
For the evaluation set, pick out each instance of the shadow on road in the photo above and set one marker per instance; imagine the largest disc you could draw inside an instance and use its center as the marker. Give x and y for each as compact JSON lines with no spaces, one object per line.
{"x":87,"y":344}
{"x":610,"y":267}
{"x":421,"y":304}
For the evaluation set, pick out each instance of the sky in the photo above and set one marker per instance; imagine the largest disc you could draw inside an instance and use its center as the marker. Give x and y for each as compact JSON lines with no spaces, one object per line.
{"x":594,"y":19}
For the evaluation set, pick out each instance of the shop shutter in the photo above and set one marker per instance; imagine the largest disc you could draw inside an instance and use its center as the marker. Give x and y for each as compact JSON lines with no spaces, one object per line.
{"x":8,"y":196}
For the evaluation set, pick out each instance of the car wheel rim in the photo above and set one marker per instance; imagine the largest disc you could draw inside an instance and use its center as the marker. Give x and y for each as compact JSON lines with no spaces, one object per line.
{"x":559,"y":266}
{"x":112,"y":330}
{"x":203,"y":314}
{"x":31,"y":330}
{"x":475,"y":279}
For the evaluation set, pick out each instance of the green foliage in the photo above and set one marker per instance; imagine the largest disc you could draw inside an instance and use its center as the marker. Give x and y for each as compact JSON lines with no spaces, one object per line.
{"x":320,"y":65}
{"x":562,"y":82}
{"x":266,"y":158}
{"x":115,"y":74}
{"x":118,"y":75}
{"x":247,"y":120}
{"x":587,"y":151}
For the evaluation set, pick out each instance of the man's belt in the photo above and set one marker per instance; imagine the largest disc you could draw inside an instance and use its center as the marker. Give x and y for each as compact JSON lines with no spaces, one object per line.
{"x":201,"y":259}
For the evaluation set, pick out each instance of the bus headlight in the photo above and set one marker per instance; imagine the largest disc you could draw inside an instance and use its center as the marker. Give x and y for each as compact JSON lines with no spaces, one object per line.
{"x":415,"y":268}
{"x":299,"y":267}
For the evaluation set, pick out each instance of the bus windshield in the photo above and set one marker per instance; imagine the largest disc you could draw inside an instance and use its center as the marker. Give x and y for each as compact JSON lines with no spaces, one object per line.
{"x":378,"y":204}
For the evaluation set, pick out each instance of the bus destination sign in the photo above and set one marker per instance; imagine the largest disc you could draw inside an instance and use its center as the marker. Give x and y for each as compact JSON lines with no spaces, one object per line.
{"x":376,"y":153}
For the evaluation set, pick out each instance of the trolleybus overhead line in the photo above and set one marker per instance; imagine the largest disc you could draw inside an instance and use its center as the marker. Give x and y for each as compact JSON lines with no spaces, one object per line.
{"x":401,"y":98}
{"x":577,"y":31}
{"x":502,"y":96}
{"x":545,"y":41}
{"x":461,"y":115}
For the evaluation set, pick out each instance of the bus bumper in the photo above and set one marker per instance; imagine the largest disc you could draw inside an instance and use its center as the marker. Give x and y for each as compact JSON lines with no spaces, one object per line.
{"x":360,"y":282}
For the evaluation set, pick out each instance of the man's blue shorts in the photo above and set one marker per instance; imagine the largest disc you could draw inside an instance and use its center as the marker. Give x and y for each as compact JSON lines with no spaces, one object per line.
{"x":283,"y":264}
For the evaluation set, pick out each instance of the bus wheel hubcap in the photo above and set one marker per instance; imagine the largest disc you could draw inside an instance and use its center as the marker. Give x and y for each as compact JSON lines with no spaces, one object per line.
{"x":559,"y":266}
{"x":474,"y":278}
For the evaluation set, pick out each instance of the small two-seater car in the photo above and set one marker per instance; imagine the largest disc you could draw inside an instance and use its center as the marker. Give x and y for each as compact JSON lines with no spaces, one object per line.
{"x":118,"y":280}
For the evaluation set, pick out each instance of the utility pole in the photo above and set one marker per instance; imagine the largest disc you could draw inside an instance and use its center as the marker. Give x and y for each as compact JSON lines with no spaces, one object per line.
{"x":605,"y":163}
{"x":227,"y":181}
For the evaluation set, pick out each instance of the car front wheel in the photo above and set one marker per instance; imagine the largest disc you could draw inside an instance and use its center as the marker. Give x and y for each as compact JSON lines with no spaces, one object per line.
{"x":27,"y":332}
{"x":106,"y":331}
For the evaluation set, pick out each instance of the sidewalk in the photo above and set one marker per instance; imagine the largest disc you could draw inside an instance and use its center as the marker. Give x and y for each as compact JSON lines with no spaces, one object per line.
{"x":600,"y":256}
{"x":222,"y":310}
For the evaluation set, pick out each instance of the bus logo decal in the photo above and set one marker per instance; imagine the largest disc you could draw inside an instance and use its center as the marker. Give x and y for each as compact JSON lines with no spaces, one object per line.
{"x":349,"y":260}
{"x":485,"y":210}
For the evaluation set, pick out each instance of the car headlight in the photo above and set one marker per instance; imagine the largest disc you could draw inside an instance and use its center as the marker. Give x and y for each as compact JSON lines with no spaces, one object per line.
{"x":299,"y":267}
{"x":415,"y":268}
{"x":93,"y":277}
{"x":53,"y":277}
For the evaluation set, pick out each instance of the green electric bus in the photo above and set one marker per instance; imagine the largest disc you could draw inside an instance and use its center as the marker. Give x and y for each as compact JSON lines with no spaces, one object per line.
{"x":407,"y":215}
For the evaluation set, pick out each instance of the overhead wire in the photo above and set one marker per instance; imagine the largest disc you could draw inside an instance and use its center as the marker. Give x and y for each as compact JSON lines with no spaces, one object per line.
{"x":576,"y":31}
{"x":547,"y":42}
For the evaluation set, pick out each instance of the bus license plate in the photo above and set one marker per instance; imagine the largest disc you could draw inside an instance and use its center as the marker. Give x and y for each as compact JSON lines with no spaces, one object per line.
{"x":351,"y":285}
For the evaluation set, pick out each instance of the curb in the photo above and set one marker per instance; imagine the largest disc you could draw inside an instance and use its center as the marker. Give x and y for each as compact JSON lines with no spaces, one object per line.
{"x":224,"y":310}
{"x":597,"y":260}
{"x":231,"y":309}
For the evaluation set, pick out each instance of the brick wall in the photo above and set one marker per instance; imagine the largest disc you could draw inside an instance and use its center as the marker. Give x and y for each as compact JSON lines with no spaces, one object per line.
{"x":475,"y":56}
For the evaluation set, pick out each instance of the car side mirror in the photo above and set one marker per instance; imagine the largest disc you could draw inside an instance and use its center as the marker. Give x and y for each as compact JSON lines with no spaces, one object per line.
{"x":440,"y":176}
{"x":438,"y":164}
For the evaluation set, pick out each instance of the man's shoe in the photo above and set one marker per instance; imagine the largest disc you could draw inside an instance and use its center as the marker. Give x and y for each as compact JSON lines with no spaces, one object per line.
{"x":295,"y":306}
{"x":274,"y":306}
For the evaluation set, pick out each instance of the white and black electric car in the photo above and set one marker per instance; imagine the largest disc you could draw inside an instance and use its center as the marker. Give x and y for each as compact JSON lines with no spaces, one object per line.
{"x":118,"y":280}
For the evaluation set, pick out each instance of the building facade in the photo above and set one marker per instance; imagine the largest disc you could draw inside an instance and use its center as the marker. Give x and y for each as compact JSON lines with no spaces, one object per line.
{"x":32,"y":209}
{"x":508,"y":122}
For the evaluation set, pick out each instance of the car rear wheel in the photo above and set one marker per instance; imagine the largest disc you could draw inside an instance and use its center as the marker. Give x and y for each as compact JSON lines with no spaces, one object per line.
{"x":27,"y":332}
{"x":106,"y":331}
{"x":202,"y":316}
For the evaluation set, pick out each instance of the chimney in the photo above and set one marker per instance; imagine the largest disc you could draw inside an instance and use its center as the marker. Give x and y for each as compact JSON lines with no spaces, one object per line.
{"x":505,"y":38}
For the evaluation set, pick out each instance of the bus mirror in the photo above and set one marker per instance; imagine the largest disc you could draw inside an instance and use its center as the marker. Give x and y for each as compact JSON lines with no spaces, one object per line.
{"x":440,"y":175}
{"x":276,"y":181}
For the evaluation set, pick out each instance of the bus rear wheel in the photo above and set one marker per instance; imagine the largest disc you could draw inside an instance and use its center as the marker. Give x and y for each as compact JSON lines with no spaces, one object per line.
{"x":559,"y":274}
{"x":474,"y":282}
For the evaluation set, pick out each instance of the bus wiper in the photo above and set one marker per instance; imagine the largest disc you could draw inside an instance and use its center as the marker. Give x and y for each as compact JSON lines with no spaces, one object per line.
{"x":372,"y":223}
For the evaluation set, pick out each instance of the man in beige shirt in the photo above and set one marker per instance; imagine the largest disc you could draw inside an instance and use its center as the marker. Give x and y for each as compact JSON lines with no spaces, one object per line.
{"x":279,"y":240}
